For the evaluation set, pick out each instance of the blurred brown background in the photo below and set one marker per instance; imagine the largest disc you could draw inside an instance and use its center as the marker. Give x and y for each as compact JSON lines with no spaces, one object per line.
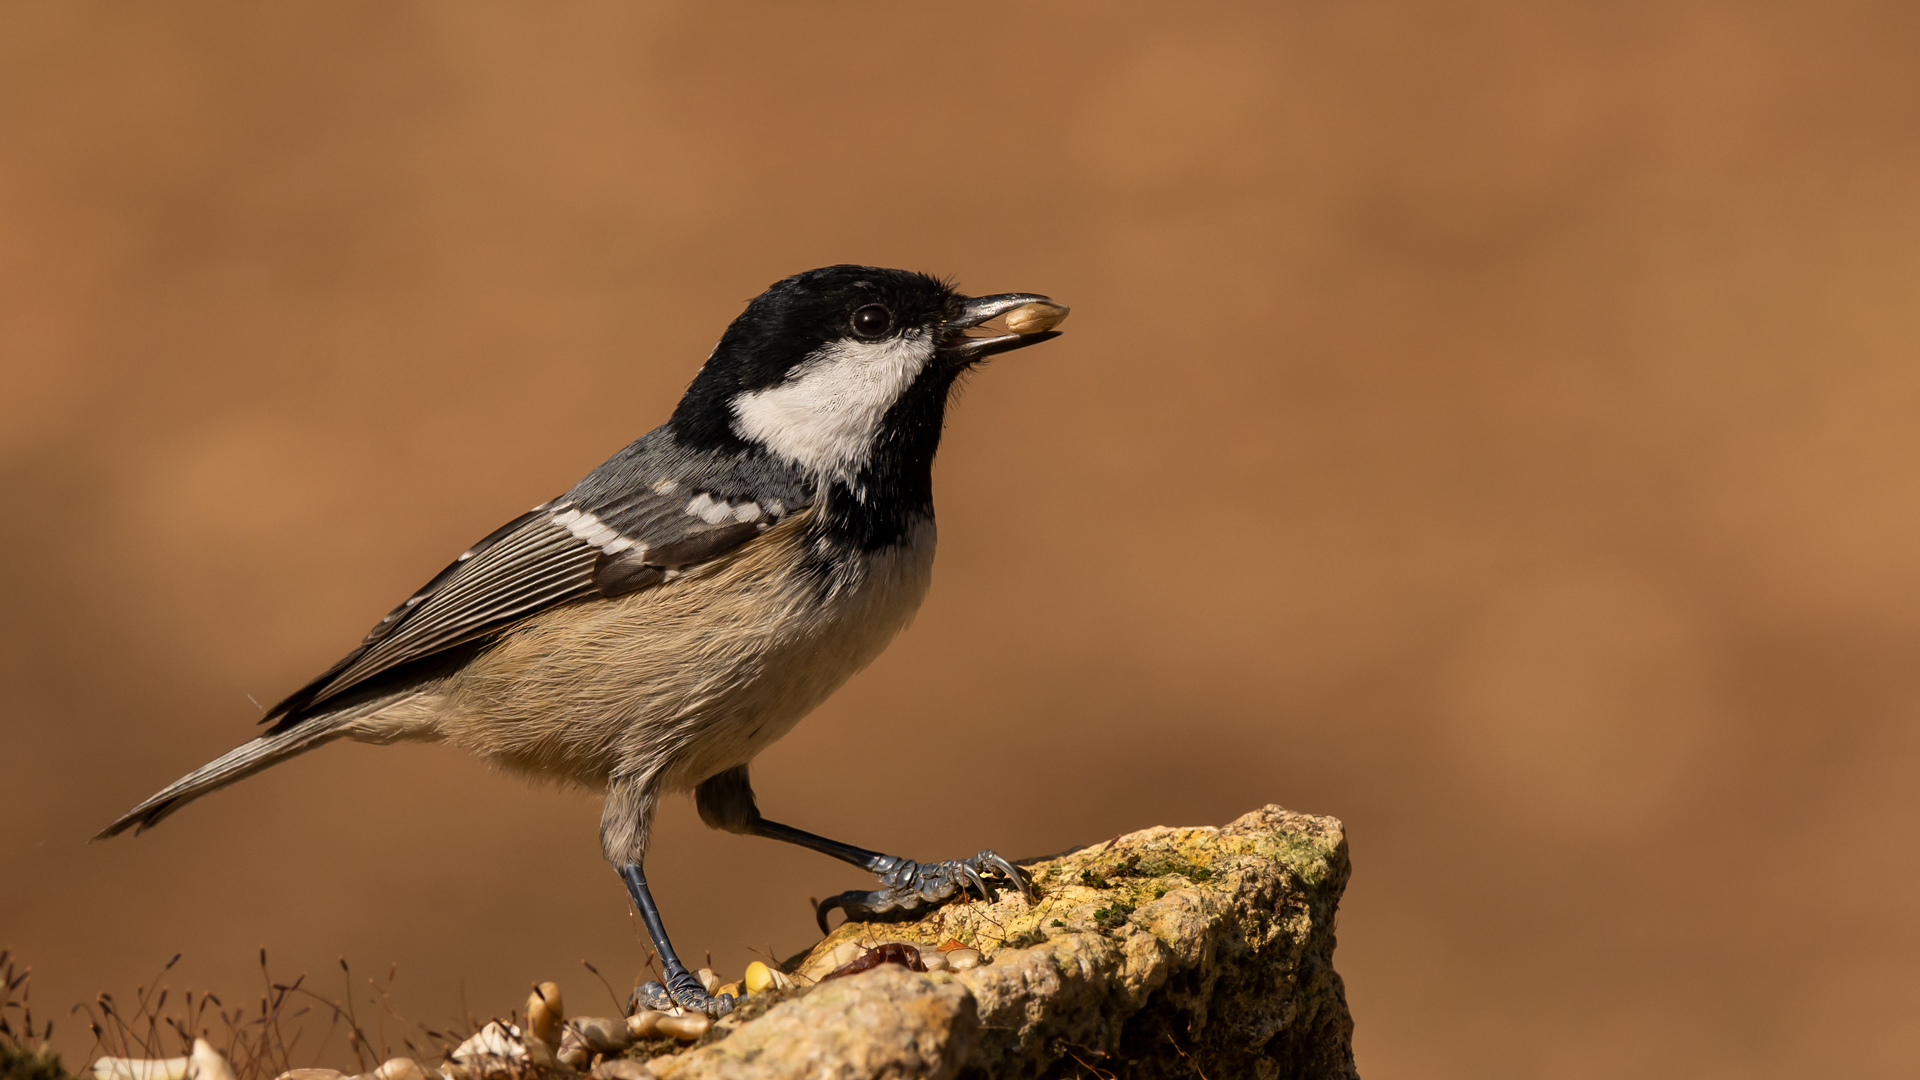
{"x":1491,"y":424}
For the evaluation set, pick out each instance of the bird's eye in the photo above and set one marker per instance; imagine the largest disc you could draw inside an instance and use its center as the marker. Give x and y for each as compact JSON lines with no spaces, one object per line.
{"x":872,"y":321}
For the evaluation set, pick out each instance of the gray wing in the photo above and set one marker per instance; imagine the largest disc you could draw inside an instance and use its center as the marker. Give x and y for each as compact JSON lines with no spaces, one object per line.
{"x":557,"y":553}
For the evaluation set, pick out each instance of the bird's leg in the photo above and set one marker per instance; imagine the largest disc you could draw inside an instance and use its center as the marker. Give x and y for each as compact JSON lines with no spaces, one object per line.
{"x":682,"y":987}
{"x":624,"y":827}
{"x":910,"y":888}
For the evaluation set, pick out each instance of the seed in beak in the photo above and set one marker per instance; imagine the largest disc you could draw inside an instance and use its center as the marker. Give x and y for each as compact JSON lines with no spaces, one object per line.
{"x":1036,"y":318}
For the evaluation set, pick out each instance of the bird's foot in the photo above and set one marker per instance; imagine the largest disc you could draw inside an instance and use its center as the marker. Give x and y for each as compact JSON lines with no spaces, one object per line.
{"x":915,"y":888}
{"x":683,"y":991}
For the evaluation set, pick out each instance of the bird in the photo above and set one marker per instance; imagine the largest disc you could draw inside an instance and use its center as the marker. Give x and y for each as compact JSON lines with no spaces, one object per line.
{"x":685,"y":604}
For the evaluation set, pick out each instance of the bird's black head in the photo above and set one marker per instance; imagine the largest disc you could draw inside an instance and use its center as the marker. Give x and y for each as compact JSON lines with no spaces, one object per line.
{"x":844,"y":373}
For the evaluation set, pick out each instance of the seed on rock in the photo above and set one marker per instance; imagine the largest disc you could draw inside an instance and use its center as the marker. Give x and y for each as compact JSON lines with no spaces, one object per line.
{"x":708,"y":979}
{"x":544,"y":1013}
{"x":951,"y":944}
{"x":400,"y":1068}
{"x":761,"y":979}
{"x":1037,"y":317}
{"x":599,"y":1034}
{"x":731,"y":990}
{"x":962,"y":959}
{"x":645,"y":1023}
{"x":621,"y":1069}
{"x":758,"y":979}
{"x":685,"y":1028}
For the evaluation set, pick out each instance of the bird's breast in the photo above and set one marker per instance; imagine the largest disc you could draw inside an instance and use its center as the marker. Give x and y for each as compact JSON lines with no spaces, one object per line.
{"x":696,"y":675}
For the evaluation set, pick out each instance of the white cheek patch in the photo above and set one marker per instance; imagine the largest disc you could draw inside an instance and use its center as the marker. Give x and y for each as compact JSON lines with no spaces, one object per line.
{"x":825,"y":415}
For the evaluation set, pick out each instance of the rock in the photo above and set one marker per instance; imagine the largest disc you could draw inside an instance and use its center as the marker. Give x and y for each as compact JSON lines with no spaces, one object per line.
{"x":888,"y":1022}
{"x":400,"y":1068}
{"x":501,"y":1049}
{"x":1168,"y":952}
{"x":496,"y":1040}
{"x":205,"y":1063}
{"x":118,"y":1068}
{"x":621,"y":1069}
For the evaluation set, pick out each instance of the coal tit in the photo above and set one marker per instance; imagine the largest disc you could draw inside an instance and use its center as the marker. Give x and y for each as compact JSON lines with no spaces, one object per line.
{"x":685,"y":604}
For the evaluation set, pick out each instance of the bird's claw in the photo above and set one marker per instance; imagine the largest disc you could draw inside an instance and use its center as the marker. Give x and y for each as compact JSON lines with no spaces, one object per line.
{"x":914,"y":888}
{"x":683,"y":991}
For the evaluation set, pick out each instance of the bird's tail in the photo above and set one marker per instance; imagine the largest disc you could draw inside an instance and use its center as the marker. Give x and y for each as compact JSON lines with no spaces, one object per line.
{"x":236,"y":764}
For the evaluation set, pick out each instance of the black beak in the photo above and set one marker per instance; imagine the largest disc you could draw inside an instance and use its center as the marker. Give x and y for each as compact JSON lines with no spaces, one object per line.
{"x":956,"y":345}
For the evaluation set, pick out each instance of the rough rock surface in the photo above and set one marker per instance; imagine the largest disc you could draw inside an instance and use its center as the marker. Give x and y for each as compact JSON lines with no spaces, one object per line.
{"x":1163,"y":953}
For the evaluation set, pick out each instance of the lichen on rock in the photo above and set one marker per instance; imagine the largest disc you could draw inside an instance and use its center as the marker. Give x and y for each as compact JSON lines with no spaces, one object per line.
{"x":1167,"y":952}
